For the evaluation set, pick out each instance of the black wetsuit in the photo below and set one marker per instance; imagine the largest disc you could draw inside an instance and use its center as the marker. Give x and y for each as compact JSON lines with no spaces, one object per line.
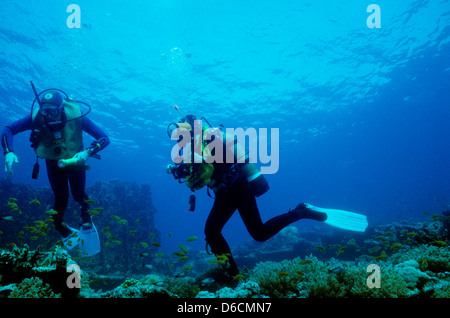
{"x":240,"y":198}
{"x":59,"y":179}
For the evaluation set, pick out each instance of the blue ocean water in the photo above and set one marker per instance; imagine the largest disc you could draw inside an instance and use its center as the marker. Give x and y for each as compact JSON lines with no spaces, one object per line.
{"x":363,"y":113}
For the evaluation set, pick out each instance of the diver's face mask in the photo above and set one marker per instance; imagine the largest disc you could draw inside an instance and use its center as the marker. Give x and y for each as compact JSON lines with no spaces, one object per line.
{"x":54,"y":117}
{"x":51,"y":107}
{"x":52,"y":110}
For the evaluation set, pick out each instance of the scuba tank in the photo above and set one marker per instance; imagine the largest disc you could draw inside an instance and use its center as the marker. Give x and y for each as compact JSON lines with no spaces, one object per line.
{"x":255,"y":180}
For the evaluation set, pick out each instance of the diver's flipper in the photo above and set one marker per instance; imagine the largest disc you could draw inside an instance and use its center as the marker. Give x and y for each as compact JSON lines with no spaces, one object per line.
{"x":90,"y":242}
{"x":342,"y":219}
{"x":72,"y":240}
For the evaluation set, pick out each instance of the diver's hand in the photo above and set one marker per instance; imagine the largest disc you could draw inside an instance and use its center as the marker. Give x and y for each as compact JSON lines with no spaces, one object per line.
{"x":10,"y":158}
{"x":82,"y":157}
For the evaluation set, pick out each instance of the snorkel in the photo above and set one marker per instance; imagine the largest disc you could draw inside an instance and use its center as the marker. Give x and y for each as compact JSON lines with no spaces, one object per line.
{"x":35,"y":94}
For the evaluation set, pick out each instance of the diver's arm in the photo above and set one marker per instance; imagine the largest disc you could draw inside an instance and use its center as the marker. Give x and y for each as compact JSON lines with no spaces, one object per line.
{"x":7,"y":140}
{"x":13,"y":129}
{"x":92,"y":129}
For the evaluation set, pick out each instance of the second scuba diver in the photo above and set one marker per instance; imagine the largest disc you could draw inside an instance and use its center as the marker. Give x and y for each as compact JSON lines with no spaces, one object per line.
{"x":236,"y":185}
{"x":57,"y":124}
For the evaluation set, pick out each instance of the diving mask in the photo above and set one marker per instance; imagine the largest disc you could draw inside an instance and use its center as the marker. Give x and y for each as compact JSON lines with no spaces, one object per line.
{"x":52,"y":110}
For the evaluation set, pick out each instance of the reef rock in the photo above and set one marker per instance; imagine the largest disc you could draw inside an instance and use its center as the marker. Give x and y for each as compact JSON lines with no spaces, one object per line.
{"x":31,"y":274}
{"x":411,"y":273}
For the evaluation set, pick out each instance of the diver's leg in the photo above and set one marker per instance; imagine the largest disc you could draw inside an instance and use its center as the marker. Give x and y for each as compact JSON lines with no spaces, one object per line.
{"x":302,"y":212}
{"x":58,"y":182}
{"x":77,"y":180}
{"x":223,"y":208}
{"x":260,"y":231}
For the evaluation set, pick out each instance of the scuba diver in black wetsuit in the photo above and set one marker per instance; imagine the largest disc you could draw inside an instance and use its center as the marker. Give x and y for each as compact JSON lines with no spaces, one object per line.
{"x":57,"y":123}
{"x":235,"y":186}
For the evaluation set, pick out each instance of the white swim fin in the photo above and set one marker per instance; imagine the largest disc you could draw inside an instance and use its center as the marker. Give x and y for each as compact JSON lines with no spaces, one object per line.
{"x":72,"y":240}
{"x":343,"y":219}
{"x":90,"y":241}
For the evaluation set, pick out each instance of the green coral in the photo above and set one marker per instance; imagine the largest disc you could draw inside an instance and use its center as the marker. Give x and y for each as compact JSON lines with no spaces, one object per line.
{"x":19,"y":264}
{"x":297,"y":278}
{"x":138,"y":290}
{"x":316,"y":279}
{"x":321,"y":282}
{"x":429,"y":257}
{"x":247,"y":289}
{"x":411,"y":271}
{"x":33,"y":287}
{"x":441,"y":290}
{"x":274,"y":284}
{"x":392,"y":284}
{"x":130,"y":282}
{"x":183,"y":286}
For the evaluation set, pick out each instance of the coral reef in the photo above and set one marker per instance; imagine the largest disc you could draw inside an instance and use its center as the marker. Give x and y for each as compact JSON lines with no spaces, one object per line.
{"x":124,"y":236}
{"x":243,"y":290}
{"x":33,"y":288}
{"x":33,"y":273}
{"x":409,"y":271}
{"x":412,"y":258}
{"x":136,"y":289}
